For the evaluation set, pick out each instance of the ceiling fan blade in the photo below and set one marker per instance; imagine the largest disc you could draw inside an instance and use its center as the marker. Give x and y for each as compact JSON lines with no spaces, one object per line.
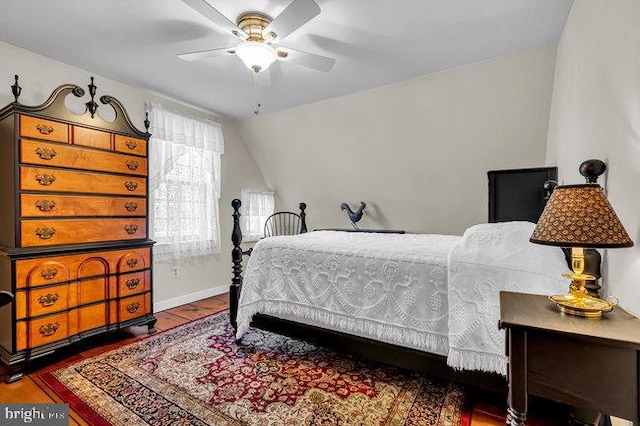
{"x":263,"y":78}
{"x":206,"y":54}
{"x":306,"y":59}
{"x":212,"y":14}
{"x":298,"y":13}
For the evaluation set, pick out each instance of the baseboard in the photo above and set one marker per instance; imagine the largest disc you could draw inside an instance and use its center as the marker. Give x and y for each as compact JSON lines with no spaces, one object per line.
{"x":188,"y":298}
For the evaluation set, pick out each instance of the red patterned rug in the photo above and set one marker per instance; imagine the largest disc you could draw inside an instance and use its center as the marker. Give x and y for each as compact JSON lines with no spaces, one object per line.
{"x":196,"y":374}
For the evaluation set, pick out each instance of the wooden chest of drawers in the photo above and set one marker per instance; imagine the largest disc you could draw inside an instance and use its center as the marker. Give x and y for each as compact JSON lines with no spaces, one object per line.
{"x":74,"y":246}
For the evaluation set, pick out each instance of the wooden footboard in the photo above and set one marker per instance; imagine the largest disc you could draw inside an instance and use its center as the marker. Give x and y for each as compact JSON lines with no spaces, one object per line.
{"x":236,"y":257}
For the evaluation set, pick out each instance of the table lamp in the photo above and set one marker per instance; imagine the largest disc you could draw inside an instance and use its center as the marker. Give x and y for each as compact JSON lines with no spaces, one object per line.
{"x":578,"y":217}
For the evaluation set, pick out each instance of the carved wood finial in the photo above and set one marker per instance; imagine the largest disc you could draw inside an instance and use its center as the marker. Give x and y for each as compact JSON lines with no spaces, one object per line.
{"x":549,"y":186}
{"x":592,"y":169}
{"x":16,"y":89}
{"x":92,"y":105}
{"x":147,"y":123}
{"x":303,"y":216}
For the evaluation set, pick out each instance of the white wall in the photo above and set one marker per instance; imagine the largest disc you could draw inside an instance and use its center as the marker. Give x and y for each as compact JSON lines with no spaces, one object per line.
{"x":416,"y":152}
{"x":199,"y":277}
{"x":596,"y":114}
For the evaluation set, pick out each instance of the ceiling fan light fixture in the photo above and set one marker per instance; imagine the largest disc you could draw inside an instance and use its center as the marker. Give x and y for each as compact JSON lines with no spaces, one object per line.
{"x":257,"y":56}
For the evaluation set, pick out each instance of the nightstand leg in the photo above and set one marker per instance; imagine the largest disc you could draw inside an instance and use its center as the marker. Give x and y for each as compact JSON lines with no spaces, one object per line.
{"x":515,"y":418}
{"x":517,"y":412}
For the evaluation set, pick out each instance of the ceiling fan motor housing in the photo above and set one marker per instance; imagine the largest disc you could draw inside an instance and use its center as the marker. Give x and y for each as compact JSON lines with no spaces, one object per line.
{"x":254,"y":23}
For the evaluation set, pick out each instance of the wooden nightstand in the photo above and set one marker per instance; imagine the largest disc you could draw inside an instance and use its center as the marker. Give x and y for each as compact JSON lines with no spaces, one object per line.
{"x":581,"y":362}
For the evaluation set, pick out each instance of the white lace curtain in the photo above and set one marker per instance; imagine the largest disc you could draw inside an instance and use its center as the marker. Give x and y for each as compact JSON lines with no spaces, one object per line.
{"x":257,"y":206}
{"x":184,"y":184}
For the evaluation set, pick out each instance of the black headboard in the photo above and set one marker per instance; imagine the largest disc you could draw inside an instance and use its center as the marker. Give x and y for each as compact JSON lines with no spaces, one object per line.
{"x":518,"y":194}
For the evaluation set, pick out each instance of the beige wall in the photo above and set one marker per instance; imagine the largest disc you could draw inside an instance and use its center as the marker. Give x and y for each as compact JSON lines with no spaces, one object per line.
{"x":596,"y":114}
{"x":416,"y":152}
{"x":198,"y":277}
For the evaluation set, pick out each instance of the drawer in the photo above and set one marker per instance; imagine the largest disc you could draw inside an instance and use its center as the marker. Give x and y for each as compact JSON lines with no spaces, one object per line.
{"x":41,"y":331}
{"x":50,"y":270}
{"x":56,"y":155}
{"x":42,"y":301}
{"x":53,"y":205}
{"x":93,"y":290}
{"x":37,"y":179}
{"x":134,"y":261}
{"x":94,"y":316}
{"x":135,"y":283}
{"x":42,"y":272}
{"x":131,"y":145}
{"x":73,"y":231}
{"x":93,"y":138}
{"x":133,"y":307}
{"x":32,"y":127}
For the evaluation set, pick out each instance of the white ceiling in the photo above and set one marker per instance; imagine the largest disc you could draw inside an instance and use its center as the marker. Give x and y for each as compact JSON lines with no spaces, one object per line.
{"x":374,"y":42}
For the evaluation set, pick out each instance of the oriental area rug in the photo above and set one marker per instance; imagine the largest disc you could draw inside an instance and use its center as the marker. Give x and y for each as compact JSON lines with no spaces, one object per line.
{"x":196,"y":374}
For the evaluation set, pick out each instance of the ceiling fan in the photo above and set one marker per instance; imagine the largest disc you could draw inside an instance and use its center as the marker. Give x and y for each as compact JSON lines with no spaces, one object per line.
{"x":259,"y":33}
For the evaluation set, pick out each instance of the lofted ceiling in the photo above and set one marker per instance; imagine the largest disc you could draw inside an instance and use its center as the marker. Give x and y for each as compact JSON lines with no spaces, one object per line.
{"x":374,"y":42}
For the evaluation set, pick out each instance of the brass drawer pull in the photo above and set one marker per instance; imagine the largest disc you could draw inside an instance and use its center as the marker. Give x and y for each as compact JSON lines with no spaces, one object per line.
{"x":132,"y":307}
{"x":131,"y":206}
{"x":45,"y":153}
{"x":45,"y":233}
{"x":132,"y":164}
{"x":132,"y":263}
{"x":131,"y":186}
{"x":45,"y":179}
{"x":49,"y":274}
{"x":48,"y":299}
{"x":131,"y":144}
{"x":44,"y":129}
{"x":131,"y":229}
{"x":132,"y":283}
{"x":45,"y":205}
{"x":49,"y":329}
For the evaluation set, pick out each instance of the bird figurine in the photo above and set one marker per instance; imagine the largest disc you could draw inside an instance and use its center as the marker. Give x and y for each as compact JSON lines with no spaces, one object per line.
{"x":354,"y":216}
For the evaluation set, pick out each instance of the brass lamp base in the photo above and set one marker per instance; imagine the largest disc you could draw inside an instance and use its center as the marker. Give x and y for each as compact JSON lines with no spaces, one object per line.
{"x":578,"y":302}
{"x":586,"y":306}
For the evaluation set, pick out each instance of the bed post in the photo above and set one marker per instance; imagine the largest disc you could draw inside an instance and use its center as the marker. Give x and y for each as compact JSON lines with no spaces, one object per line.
{"x":303,"y":215}
{"x":236,"y":260}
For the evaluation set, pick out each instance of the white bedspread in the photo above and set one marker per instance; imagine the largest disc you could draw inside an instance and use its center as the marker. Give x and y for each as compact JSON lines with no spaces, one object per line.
{"x":488,"y":259}
{"x":436,"y":293}
{"x":387,"y":287}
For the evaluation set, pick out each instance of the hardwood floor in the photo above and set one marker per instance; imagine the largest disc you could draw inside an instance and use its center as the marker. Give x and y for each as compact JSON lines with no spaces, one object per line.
{"x":487,"y":409}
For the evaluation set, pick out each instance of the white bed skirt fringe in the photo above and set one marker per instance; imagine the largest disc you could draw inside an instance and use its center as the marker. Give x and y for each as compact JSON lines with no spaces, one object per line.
{"x":364,"y":328}
{"x":471,"y":360}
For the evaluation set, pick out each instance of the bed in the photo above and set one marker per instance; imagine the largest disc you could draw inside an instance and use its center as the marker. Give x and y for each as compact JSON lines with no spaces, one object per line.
{"x":426,"y":302}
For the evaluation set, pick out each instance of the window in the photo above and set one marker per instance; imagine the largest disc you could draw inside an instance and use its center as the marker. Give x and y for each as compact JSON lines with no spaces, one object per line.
{"x":184,"y":184}
{"x":257,"y":206}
